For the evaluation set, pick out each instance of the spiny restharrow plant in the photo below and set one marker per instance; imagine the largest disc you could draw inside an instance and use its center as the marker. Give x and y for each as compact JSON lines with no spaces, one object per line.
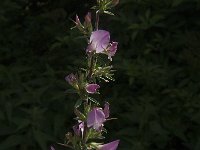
{"x":89,"y":130}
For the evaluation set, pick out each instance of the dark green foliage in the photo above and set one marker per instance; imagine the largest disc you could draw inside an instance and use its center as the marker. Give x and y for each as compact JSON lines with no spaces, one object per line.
{"x":156,"y":93}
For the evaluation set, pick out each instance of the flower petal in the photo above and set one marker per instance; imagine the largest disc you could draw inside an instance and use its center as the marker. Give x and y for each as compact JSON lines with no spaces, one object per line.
{"x":112,"y":49}
{"x":79,"y":128}
{"x":100,"y":40}
{"x":92,"y":88}
{"x":95,"y":118}
{"x":109,"y":146}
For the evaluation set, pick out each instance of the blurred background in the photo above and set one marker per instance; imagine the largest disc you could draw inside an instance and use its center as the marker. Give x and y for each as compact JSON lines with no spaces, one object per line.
{"x":156,"y":95}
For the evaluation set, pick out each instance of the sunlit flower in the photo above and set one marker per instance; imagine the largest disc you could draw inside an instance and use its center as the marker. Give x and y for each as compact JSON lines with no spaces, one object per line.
{"x":96,"y":118}
{"x":92,"y":88}
{"x":100,"y":43}
{"x":109,"y":146}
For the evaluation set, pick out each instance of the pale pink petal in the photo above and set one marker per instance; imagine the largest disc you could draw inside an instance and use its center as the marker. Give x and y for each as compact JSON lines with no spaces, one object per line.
{"x":109,"y":146}
{"x":112,"y":49}
{"x":100,"y":40}
{"x":95,"y":118}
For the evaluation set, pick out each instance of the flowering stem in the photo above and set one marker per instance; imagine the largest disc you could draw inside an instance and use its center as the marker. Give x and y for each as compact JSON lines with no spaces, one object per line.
{"x":90,"y":116}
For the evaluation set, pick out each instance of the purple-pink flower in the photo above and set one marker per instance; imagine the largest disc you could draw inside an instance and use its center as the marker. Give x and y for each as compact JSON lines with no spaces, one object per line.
{"x":52,"y":148}
{"x":79,"y":128}
{"x":100,"y":43}
{"x":112,"y":49}
{"x":92,"y":88}
{"x":109,"y":146}
{"x":96,"y":118}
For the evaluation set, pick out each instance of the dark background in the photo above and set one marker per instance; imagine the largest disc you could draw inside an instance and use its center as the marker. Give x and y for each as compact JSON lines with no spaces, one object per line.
{"x":156,"y":95}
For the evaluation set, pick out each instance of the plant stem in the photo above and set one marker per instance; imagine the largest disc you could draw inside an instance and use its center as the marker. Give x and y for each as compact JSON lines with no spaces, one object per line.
{"x":97,"y":20}
{"x":91,"y":67}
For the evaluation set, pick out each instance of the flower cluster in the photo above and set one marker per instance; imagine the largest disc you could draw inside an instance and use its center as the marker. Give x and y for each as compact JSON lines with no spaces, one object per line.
{"x":90,"y":116}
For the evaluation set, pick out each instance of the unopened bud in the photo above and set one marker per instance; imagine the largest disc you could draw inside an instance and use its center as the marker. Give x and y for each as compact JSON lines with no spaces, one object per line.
{"x":115,"y":2}
{"x":88,"y":18}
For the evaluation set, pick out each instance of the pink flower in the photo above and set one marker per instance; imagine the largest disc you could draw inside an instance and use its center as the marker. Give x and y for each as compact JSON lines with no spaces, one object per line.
{"x":109,"y":146}
{"x":95,"y":118}
{"x":52,"y":148}
{"x":112,"y":50}
{"x":100,"y":43}
{"x":92,"y":88}
{"x":79,"y":128}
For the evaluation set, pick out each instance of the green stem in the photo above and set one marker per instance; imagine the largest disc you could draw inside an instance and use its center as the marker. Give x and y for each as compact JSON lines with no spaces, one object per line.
{"x":97,"y":20}
{"x":91,"y":67}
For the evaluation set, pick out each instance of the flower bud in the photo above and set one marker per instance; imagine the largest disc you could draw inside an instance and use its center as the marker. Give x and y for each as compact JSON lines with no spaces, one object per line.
{"x":115,"y":2}
{"x":92,"y":88}
{"x":88,"y":18}
{"x":79,"y":129}
{"x":71,"y":79}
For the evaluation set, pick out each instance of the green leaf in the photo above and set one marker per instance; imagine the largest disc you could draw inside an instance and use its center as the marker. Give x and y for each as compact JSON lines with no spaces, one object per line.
{"x":78,"y":103}
{"x":94,"y":100}
{"x":109,"y":13}
{"x":79,"y":114}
